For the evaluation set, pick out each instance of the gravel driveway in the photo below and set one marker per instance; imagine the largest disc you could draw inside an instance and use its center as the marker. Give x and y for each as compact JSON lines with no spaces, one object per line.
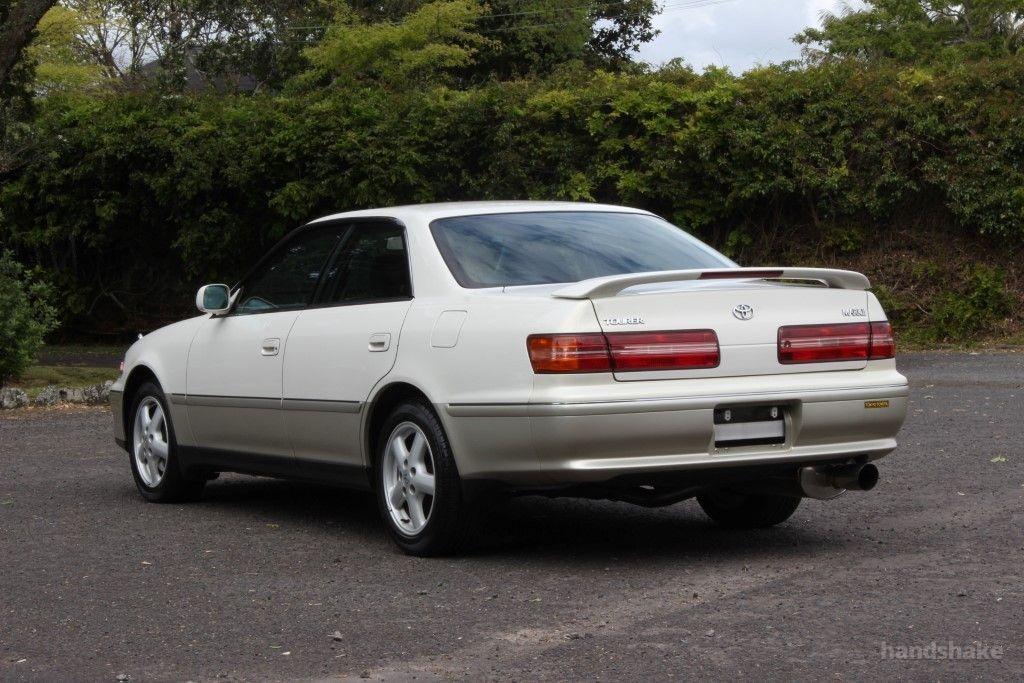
{"x":273,"y":580}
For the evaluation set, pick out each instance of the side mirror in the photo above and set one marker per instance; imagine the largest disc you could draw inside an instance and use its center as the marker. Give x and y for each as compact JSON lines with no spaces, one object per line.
{"x":214,"y":299}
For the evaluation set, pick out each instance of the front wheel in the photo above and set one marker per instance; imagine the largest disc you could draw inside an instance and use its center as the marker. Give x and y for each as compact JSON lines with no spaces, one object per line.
{"x":419,"y":491}
{"x":152,"y":451}
{"x":735,"y":510}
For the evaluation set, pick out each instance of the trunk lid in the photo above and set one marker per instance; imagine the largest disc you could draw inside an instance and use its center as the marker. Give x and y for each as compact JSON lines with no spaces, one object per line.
{"x":746,"y":315}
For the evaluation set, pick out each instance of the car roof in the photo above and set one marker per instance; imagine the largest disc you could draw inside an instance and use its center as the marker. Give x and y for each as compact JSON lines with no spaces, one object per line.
{"x":429,"y":212}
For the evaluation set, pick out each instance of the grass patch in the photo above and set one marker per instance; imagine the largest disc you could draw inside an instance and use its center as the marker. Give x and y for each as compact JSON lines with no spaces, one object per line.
{"x":38,"y":377}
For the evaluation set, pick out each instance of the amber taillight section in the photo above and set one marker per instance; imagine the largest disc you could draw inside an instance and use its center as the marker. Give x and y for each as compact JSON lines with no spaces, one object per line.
{"x":558,"y":353}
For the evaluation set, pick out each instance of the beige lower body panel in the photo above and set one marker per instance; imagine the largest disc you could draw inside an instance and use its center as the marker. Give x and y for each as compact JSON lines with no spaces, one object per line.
{"x":325,"y":432}
{"x":548,"y":444}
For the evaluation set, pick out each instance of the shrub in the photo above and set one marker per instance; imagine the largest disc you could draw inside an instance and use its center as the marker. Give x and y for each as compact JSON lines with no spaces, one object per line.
{"x":960,"y":316}
{"x":25,"y":317}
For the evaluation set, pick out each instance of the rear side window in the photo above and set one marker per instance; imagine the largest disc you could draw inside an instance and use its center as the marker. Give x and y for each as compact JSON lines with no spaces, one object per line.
{"x":371,"y":265}
{"x":288,"y":279}
{"x":496,"y":250}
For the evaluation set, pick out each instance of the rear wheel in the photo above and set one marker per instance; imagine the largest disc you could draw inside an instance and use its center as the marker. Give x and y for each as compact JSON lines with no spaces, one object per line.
{"x":419,"y":491}
{"x":747,"y":510}
{"x":152,"y":451}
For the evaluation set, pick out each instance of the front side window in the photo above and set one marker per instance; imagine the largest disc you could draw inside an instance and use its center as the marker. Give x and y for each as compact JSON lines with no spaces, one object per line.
{"x":288,"y":279}
{"x":544,"y":247}
{"x":371,"y":266}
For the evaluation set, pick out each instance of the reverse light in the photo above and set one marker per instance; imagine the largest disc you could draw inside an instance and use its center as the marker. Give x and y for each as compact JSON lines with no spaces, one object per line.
{"x":832,"y":343}
{"x":623,"y":351}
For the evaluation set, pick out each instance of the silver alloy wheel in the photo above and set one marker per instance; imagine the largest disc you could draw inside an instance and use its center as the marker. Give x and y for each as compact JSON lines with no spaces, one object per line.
{"x":408,"y":478}
{"x":150,"y":441}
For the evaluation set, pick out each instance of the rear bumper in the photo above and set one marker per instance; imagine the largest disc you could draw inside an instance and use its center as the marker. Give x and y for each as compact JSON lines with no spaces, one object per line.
{"x":557,"y":443}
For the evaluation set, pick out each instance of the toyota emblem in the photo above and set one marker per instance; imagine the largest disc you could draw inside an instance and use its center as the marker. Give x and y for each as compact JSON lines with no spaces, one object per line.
{"x":743,"y":312}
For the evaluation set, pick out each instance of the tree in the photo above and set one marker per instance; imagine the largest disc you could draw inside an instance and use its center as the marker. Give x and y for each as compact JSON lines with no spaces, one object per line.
{"x":60,"y":59}
{"x":25,"y":317}
{"x":426,"y":46}
{"x":620,"y":28}
{"x":17,"y":24}
{"x":919,"y":30}
{"x":533,"y":37}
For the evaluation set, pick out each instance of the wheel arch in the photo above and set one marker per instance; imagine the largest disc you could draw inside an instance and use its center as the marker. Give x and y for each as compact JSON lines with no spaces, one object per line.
{"x":138,"y":376}
{"x":380,"y":406}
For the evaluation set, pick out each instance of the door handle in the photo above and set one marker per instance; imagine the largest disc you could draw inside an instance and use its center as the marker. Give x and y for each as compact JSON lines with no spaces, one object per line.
{"x":270,"y":347}
{"x":381,"y":341}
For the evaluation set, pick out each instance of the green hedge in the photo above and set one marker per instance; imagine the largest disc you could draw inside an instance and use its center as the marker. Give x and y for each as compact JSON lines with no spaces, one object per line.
{"x":131,"y":200}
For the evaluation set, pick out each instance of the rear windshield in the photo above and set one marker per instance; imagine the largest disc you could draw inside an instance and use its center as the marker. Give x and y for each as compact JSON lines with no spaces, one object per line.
{"x":495,"y":250}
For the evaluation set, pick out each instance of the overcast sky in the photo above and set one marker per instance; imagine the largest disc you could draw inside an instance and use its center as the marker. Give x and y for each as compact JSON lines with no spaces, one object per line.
{"x":738,"y":34}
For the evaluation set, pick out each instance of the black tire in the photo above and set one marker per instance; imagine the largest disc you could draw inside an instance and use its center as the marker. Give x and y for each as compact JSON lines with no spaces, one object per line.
{"x":734,"y":510}
{"x":174,"y":486}
{"x":452,"y":519}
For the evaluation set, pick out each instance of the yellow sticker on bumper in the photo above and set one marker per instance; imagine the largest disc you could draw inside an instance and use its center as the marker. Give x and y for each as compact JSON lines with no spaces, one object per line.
{"x":876,"y":404}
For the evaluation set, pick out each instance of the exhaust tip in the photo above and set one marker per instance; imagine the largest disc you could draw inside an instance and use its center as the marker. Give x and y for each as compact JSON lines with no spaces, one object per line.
{"x":867,"y":477}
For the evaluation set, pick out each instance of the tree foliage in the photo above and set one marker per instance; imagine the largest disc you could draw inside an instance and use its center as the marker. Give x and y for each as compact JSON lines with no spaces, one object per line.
{"x":915,"y":31}
{"x":61,"y":62}
{"x":25,"y":317}
{"x":426,"y":45}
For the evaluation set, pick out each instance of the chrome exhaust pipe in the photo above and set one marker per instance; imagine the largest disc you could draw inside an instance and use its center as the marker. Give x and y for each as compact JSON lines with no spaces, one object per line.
{"x":856,"y":478}
{"x":830,"y":481}
{"x":823,"y":482}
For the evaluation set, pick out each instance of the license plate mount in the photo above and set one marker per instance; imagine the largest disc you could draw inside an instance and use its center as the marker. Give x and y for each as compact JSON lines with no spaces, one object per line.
{"x":760,"y":425}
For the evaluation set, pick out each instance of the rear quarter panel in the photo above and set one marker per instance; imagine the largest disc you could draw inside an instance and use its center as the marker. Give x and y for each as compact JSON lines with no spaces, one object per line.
{"x":487,"y":366}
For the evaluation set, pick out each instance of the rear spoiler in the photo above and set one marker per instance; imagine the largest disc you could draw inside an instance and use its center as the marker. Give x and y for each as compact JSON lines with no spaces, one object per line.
{"x":601,"y":287}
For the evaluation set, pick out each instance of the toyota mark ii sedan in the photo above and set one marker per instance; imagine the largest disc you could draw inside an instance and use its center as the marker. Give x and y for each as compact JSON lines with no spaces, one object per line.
{"x":449,"y":355}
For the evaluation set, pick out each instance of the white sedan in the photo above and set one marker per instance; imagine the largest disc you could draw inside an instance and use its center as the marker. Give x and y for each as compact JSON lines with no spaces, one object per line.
{"x":448,"y":355}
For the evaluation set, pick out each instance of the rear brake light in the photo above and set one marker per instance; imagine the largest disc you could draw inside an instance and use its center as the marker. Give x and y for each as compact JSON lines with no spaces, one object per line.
{"x":828,"y":343}
{"x":742,"y":275}
{"x":883,"y":345}
{"x":688,"y":350}
{"x":555,"y":353}
{"x":823,"y":343}
{"x":623,"y":351}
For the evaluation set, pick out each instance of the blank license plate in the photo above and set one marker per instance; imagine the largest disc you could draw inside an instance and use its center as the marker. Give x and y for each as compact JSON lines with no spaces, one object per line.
{"x":749,"y":425}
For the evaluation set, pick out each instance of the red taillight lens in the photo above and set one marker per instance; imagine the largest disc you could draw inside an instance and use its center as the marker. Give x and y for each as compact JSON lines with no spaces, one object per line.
{"x":824,"y":343}
{"x":553,"y":353}
{"x":623,"y":351}
{"x":639,"y":351}
{"x":883,"y":345}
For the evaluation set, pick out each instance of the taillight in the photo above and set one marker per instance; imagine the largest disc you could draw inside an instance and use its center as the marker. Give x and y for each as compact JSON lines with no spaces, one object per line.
{"x":687,"y":350}
{"x":623,"y":351}
{"x":883,"y":345}
{"x":827,"y":343}
{"x":555,"y":353}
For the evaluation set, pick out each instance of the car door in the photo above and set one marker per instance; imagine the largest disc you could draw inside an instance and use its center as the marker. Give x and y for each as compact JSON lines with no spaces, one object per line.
{"x":342,"y":346}
{"x":234,"y":383}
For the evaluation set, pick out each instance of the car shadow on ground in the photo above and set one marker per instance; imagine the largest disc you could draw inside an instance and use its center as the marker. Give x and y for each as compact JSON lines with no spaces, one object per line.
{"x":573,"y":530}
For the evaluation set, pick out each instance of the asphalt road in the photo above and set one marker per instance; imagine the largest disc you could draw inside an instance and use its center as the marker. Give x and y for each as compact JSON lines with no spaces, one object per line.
{"x":272,"y":580}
